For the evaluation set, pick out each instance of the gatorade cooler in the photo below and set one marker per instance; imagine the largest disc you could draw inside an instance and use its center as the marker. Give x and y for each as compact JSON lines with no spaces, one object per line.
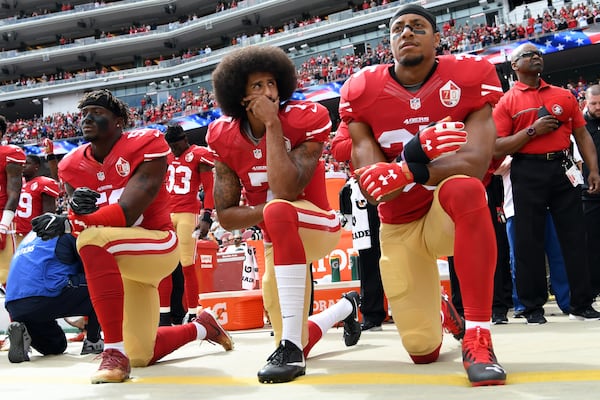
{"x":236,"y":310}
{"x":206,"y":264}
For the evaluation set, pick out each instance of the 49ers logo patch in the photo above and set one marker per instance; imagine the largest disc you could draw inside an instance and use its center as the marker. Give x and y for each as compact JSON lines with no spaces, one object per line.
{"x":450,"y":94}
{"x":122,"y":166}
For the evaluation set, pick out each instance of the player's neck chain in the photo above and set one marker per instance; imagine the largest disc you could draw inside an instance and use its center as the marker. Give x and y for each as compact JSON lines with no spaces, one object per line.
{"x":247,"y":129}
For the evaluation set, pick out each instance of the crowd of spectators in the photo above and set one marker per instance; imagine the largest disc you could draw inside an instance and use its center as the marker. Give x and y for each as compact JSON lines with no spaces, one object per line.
{"x":316,"y":69}
{"x":464,"y":38}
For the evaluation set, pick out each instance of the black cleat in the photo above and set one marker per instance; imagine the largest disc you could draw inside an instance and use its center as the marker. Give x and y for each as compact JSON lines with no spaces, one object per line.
{"x":352,"y":328}
{"x":284,"y":365}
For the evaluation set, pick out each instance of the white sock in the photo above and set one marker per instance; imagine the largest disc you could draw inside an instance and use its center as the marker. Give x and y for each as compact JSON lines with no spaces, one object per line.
{"x":117,"y":346}
{"x":475,"y":324}
{"x":165,"y":310}
{"x":193,"y":311}
{"x":200,"y":331}
{"x":291,"y":284}
{"x":332,"y":315}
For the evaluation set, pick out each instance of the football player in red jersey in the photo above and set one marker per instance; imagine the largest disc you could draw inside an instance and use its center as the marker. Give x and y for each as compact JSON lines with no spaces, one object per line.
{"x":38,"y":196}
{"x":190,"y":169}
{"x":269,"y":146}
{"x":124,"y":235}
{"x":409,"y":122}
{"x":12,"y":159}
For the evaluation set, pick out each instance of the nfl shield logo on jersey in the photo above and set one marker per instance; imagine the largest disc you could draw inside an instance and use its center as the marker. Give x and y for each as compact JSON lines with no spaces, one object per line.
{"x":415,"y":103}
{"x":123,"y":167}
{"x":100,"y":175}
{"x":257,"y":154}
{"x":450,"y":94}
{"x":189,"y":157}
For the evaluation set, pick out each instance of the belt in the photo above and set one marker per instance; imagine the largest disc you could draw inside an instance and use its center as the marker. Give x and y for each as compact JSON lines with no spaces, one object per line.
{"x":556,"y":155}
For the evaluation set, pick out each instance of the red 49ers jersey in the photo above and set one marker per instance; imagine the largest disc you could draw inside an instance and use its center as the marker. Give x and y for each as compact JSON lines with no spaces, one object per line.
{"x":30,"y":203}
{"x":8,"y":154}
{"x":184,"y":179}
{"x":301,"y":121}
{"x":459,"y":85}
{"x":80,"y":169}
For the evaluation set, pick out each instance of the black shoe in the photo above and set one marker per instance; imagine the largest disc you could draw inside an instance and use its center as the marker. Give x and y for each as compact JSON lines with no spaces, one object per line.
{"x":20,"y":342}
{"x":284,"y":365}
{"x":588,"y":314}
{"x":352,"y":328}
{"x":535,"y":317}
{"x":499,"y":319}
{"x":370,"y":326}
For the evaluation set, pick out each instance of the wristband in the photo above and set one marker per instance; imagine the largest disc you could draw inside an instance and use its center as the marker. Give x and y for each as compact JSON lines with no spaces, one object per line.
{"x":50,"y":157}
{"x":7,"y":217}
{"x":420,"y":172}
{"x":111,"y":215}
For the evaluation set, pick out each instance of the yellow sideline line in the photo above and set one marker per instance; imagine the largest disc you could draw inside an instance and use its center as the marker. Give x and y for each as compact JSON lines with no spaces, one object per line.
{"x":334,"y":379}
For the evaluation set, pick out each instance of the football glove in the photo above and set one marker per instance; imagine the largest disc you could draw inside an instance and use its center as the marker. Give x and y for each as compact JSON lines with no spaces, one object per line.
{"x":382,"y":178}
{"x":83,"y":201}
{"x":442,"y":138}
{"x":49,"y":225}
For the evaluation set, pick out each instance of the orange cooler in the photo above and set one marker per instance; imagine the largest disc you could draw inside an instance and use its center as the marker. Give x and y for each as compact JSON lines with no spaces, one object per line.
{"x":236,"y":310}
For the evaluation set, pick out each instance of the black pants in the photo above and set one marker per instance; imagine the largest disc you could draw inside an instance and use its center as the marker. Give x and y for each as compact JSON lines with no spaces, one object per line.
{"x":591,"y":211}
{"x":178,"y":312}
{"x":502,"y":300}
{"x":537,"y":185}
{"x":39,"y":315}
{"x":371,"y":288}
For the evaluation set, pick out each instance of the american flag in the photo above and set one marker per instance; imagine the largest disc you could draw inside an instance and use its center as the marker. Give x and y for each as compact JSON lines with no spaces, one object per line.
{"x":549,"y":43}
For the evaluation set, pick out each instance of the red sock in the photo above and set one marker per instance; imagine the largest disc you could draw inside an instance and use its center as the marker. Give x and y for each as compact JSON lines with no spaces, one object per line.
{"x":314,"y":335}
{"x":106,"y":290}
{"x":475,"y":250}
{"x":170,"y":338}
{"x":191,"y":286}
{"x":282,"y":223}
{"x":427,"y":358}
{"x":165,"y":287}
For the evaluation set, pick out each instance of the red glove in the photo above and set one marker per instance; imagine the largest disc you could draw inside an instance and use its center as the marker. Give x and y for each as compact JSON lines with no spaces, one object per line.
{"x":48,"y":146}
{"x":382,"y":178}
{"x":445,"y":137}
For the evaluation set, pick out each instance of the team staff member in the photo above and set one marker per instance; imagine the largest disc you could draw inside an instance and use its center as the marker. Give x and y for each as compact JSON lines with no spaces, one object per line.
{"x":125,"y":236}
{"x":431,"y":202}
{"x":591,"y":202}
{"x":12,"y":160}
{"x":535,"y":121}
{"x":38,"y":196}
{"x":46,"y":282}
{"x":270,"y":147}
{"x":189,"y":171}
